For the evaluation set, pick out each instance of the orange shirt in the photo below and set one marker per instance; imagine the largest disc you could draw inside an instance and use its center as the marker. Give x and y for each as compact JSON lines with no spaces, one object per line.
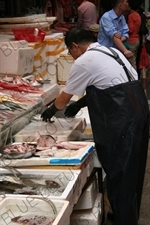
{"x":134,"y":23}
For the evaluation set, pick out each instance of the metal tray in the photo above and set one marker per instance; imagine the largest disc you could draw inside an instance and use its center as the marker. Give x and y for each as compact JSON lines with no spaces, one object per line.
{"x":17,"y":155}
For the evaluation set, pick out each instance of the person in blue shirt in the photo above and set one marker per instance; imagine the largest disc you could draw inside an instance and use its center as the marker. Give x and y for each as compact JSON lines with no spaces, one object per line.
{"x":114,"y":30}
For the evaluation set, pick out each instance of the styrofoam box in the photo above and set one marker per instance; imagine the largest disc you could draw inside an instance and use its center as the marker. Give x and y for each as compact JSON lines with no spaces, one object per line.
{"x":87,"y":199}
{"x":55,"y":45}
{"x":83,"y":113}
{"x":96,"y":162}
{"x":8,"y":41}
{"x":65,"y":178}
{"x":27,"y":19}
{"x":39,"y":49}
{"x":40,"y":72}
{"x":40,"y":25}
{"x":64,"y":62}
{"x":89,"y":216}
{"x":11,"y":207}
{"x":61,"y":130}
{"x":52,"y":72}
{"x":16,"y":61}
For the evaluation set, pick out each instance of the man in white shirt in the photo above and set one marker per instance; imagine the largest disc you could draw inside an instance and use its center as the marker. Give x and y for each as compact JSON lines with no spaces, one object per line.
{"x":119,"y":116}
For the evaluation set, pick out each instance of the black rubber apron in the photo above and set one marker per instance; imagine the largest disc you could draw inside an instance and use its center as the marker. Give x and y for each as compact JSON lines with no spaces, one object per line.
{"x":120,"y":123}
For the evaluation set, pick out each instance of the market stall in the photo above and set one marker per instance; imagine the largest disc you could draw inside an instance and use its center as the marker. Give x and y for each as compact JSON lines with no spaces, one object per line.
{"x":41,"y":163}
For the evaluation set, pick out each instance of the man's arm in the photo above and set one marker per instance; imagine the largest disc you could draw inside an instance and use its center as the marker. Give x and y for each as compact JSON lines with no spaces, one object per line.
{"x":121,"y":47}
{"x":62,"y":100}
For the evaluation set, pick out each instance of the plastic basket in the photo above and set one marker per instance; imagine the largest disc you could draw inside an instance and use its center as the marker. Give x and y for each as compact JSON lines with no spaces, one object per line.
{"x":30,"y":34}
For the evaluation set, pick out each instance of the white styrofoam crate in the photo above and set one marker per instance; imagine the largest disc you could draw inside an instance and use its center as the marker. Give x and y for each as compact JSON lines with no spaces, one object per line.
{"x":9,"y":41}
{"x":65,"y":178}
{"x":61,"y":130}
{"x":11,"y":207}
{"x":39,"y":51}
{"x":64,"y":63}
{"x":87,"y":199}
{"x":55,"y":45}
{"x":89,"y":216}
{"x":94,"y":158}
{"x":96,"y":162}
{"x":18,"y":61}
{"x":52,"y":72}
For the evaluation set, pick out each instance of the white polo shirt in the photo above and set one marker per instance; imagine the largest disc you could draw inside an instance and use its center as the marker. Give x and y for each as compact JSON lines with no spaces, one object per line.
{"x":97,"y":69}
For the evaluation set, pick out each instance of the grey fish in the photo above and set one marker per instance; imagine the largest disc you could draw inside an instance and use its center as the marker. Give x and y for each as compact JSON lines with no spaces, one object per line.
{"x":4,"y":107}
{"x":13,"y":106}
{"x":31,"y":183}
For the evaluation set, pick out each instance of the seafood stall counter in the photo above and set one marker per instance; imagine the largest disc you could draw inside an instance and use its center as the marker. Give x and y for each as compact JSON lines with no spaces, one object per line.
{"x":59,"y":153}
{"x":53,"y":184}
{"x":18,"y":108}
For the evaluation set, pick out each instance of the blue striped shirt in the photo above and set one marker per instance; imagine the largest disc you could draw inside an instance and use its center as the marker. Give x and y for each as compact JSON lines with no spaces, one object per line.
{"x":110,"y":24}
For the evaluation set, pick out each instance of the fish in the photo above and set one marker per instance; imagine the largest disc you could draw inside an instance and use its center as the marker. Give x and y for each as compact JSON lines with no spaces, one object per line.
{"x":20,"y":87}
{"x":13,"y":105}
{"x":18,"y":185}
{"x":20,"y":97}
{"x":45,"y":142}
{"x":31,"y":183}
{"x":45,"y":153}
{"x":25,"y":191}
{"x":33,"y":219}
{"x":10,"y":187}
{"x":52,"y":184}
{"x":4,"y":107}
{"x":69,"y":146}
{"x":6,"y":97}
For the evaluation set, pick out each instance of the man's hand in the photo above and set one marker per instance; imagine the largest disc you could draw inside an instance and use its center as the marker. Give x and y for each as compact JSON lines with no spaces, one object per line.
{"x":75,"y":107}
{"x":72,"y":110}
{"x":49,"y":113}
{"x":128,"y":54}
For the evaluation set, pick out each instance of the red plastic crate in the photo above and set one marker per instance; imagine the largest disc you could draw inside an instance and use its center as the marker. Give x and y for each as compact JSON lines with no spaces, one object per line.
{"x":30,"y":34}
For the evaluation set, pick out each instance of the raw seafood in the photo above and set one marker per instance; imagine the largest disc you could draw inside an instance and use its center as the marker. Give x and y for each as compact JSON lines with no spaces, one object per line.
{"x":19,"y":185}
{"x":20,"y":97}
{"x":18,"y":148}
{"x":45,"y":141}
{"x":32,"y":220}
{"x":69,"y":146}
{"x":58,"y":153}
{"x":13,"y":106}
{"x":31,"y":183}
{"x":52,"y":184}
{"x":20,"y":87}
{"x":47,"y":152}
